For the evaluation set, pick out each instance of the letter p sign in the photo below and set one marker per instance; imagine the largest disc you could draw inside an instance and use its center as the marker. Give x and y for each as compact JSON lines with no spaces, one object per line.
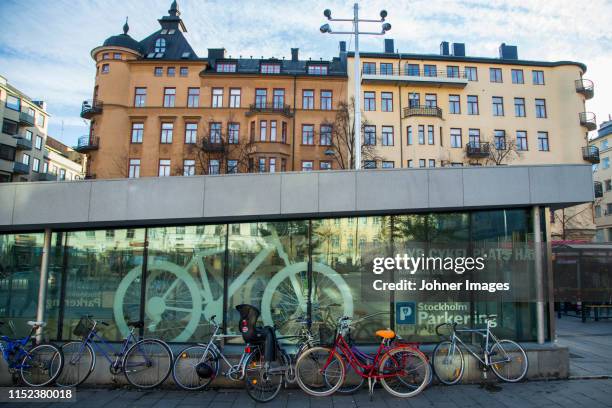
{"x":405,"y":313}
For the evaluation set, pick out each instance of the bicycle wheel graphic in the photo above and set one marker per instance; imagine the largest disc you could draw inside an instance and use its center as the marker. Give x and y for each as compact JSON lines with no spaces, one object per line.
{"x":173,"y":301}
{"x":286,"y":295}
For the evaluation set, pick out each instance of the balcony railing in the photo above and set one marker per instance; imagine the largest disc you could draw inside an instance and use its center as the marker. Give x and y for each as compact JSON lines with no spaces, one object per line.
{"x":477,"y":149}
{"x":420,"y":110}
{"x":585,"y":87}
{"x":588,"y":120}
{"x":591,"y":154}
{"x":87,"y":143}
{"x":25,"y":119}
{"x":23,"y":143}
{"x":268,"y":107}
{"x":46,"y":177}
{"x":212,"y":146}
{"x":90,"y":108}
{"x":439,"y":77}
{"x":21,"y":168}
{"x":598,"y":189}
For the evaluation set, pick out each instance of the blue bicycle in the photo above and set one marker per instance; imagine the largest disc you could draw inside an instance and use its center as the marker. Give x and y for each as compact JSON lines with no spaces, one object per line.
{"x":145,"y":363}
{"x":35,"y":365}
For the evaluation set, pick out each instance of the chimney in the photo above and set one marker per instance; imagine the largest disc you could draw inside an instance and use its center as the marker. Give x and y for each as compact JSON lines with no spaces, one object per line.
{"x":342,"y":46}
{"x":215,"y":54}
{"x":509,"y":52}
{"x":389,"y":47}
{"x":444,"y":48}
{"x":294,"y":54}
{"x":459,"y":49}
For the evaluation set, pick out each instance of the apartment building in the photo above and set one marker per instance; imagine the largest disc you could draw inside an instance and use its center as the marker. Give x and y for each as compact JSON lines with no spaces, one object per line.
{"x":601,"y":146}
{"x":24,"y":132}
{"x":422,"y":110}
{"x":158,"y":109}
{"x":63,"y":163}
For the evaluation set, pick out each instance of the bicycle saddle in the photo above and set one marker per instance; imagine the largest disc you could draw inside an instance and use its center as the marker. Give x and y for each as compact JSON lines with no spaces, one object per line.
{"x":136,"y":325}
{"x":33,"y":323}
{"x":385,"y":334}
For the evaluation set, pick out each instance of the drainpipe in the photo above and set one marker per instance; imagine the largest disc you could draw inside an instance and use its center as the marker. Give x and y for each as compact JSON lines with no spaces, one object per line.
{"x":42,"y":287}
{"x":539,"y":274}
{"x":401,"y":129}
{"x":552,"y":329}
{"x":293,"y":124}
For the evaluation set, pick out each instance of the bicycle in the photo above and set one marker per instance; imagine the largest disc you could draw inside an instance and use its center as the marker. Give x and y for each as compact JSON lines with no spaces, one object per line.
{"x":401,"y":369}
{"x":506,"y":357}
{"x":37,"y":366}
{"x":145,"y":363}
{"x":167,"y":279}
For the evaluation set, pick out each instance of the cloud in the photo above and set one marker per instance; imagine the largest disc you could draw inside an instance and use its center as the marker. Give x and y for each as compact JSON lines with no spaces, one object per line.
{"x":50,"y":60}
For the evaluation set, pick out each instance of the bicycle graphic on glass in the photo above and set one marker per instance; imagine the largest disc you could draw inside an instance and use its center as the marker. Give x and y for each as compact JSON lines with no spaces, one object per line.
{"x":176,"y":299}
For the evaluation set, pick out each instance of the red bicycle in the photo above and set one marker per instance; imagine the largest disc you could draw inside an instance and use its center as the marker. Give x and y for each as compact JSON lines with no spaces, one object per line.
{"x":402,"y":369}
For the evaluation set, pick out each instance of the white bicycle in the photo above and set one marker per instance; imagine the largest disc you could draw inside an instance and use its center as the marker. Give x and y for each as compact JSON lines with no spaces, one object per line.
{"x":176,"y":301}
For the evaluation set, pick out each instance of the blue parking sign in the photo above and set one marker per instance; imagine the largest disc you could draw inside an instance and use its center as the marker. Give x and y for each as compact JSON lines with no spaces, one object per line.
{"x":405,"y":312}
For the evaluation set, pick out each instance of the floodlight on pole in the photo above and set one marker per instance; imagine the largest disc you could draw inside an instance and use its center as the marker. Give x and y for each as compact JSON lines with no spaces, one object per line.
{"x":326,"y":29}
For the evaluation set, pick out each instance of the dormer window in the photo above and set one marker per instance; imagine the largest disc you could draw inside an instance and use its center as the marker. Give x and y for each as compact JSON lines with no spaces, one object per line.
{"x":164,"y":31}
{"x":317,"y":69}
{"x":160,"y":45}
{"x":226,"y":67}
{"x":171,"y":31}
{"x":268,"y":68}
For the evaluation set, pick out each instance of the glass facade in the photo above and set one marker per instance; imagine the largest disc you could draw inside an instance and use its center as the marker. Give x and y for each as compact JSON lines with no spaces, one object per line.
{"x":177,"y":277}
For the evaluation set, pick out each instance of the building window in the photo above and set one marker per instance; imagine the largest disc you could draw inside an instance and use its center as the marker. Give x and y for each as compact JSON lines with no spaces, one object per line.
{"x":267,"y":68}
{"x":160,"y":45}
{"x":517,"y":76}
{"x":422,"y":163}
{"x":26,"y":159}
{"x":158,"y":71}
{"x":519,"y":107}
{"x":412,"y":69}
{"x":217,"y":98}
{"x":233,"y":133}
{"x":608,"y":183}
{"x":307,"y":165}
{"x":430,"y":134}
{"x":169,"y":97}
{"x":307,"y":134}
{"x":454,"y":104}
{"x":325,"y":165}
{"x":307,"y":99}
{"x":272,"y":165}
{"x":597,"y":211}
{"x":278,"y":98}
{"x":538,"y":77}
{"x":386,"y":68}
{"x":605,"y":163}
{"x":369,"y":68}
{"x":430,"y":70}
{"x":521,"y":140}
{"x":495,"y":74}
{"x":414,"y":99}
{"x":387,"y":136}
{"x":474,"y":137}
{"x":261,"y":95}
{"x":317,"y":69}
{"x":421,"y":134}
{"x":284,"y":132}
{"x":409,"y":135}
{"x":134,"y":170}
{"x":431,"y":100}
{"x":410,"y":164}
{"x":171,"y":71}
{"x":386,"y":101}
{"x":543,"y":142}
{"x":40,"y":119}
{"x":28,"y":135}
{"x":472,"y":105}
{"x":273,"y":131}
{"x":432,"y":163}
{"x":452,"y":71}
{"x":105,"y":68}
{"x":213,"y":166}
{"x":326,"y":100}
{"x":12,"y":102}
{"x":164,"y":168}
{"x":140,"y":97}
{"x":263,"y":130}
{"x":193,"y":97}
{"x":226,"y":67}
{"x":471,"y":73}
{"x":137,"y":132}
{"x":326,"y":135}
{"x":38,"y":143}
{"x":369,"y":101}
{"x":540,"y":108}
{"x":455,"y":135}
{"x":166,"y":132}
{"x":191,"y":133}
{"x":105,"y":56}
{"x":369,"y":164}
{"x":498,"y":106}
{"x":62,"y":174}
{"x":35,"y":165}
{"x":215,"y":132}
{"x":232,"y":166}
{"x":387,"y":165}
{"x":188,"y":167}
{"x":234,"y":101}
{"x":183,"y":71}
{"x":369,"y":135}
{"x":500,"y":139}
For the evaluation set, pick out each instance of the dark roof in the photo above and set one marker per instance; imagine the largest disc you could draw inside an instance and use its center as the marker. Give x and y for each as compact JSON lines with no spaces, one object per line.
{"x":177,"y":47}
{"x":123,"y":40}
{"x":287,"y":67}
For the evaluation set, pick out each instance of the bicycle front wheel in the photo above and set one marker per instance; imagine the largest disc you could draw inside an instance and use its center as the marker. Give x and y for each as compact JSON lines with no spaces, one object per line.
{"x":320,"y":371}
{"x":509,"y":361}
{"x":147,"y":363}
{"x":195,"y":367}
{"x":405,"y":372}
{"x":41,"y":365}
{"x":447,"y":362}
{"x":79,"y":362}
{"x":352,"y":380}
{"x":263,"y":380}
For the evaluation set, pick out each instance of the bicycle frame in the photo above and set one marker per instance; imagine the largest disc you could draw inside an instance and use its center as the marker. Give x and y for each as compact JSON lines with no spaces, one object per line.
{"x":18,"y":345}
{"x":487,"y":334}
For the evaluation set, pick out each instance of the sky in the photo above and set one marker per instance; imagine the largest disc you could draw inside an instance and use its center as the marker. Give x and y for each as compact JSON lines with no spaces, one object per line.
{"x":45,"y":45}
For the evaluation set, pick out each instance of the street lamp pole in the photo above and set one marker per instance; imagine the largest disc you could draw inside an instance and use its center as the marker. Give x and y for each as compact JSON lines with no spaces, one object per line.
{"x":325,"y":28}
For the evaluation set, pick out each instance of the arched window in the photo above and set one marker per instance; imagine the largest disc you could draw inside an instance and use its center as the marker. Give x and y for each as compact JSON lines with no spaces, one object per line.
{"x":160,"y":45}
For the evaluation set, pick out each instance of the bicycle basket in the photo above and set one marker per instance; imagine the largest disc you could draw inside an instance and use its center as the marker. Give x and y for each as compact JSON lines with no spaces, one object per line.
{"x":83,"y":327}
{"x":327,"y":335}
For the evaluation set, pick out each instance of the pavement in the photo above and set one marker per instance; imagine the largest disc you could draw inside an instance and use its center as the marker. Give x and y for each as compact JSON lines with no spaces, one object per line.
{"x":592,"y":393}
{"x":590,"y":346}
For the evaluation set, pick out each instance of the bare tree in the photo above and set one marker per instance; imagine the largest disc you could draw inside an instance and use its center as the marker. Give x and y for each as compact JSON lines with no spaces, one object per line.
{"x":573,"y":219}
{"x":502,"y":152}
{"x":120,"y":164}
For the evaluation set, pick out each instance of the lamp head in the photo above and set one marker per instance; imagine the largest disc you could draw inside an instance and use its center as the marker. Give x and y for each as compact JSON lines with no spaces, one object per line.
{"x":386,"y":27}
{"x":327,"y":13}
{"x":383,"y":14}
{"x":325,"y":28}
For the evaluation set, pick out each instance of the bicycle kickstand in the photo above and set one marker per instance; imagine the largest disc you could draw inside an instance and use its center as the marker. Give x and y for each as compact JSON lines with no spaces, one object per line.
{"x":371,"y":385}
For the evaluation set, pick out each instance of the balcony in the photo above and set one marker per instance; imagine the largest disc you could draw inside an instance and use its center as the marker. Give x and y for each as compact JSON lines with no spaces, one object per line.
{"x":588,"y":120}
{"x":22,"y":143}
{"x":598,"y":189}
{"x":45,"y":177}
{"x":212,"y":147}
{"x":87,"y":144}
{"x":406,"y":77}
{"x":585,"y":87}
{"x":423,"y":111}
{"x":25,"y":119}
{"x":91,"y":108}
{"x":477,"y":149}
{"x":272,"y":148}
{"x":267,"y":107}
{"x":21,"y":168}
{"x":590,"y":154}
